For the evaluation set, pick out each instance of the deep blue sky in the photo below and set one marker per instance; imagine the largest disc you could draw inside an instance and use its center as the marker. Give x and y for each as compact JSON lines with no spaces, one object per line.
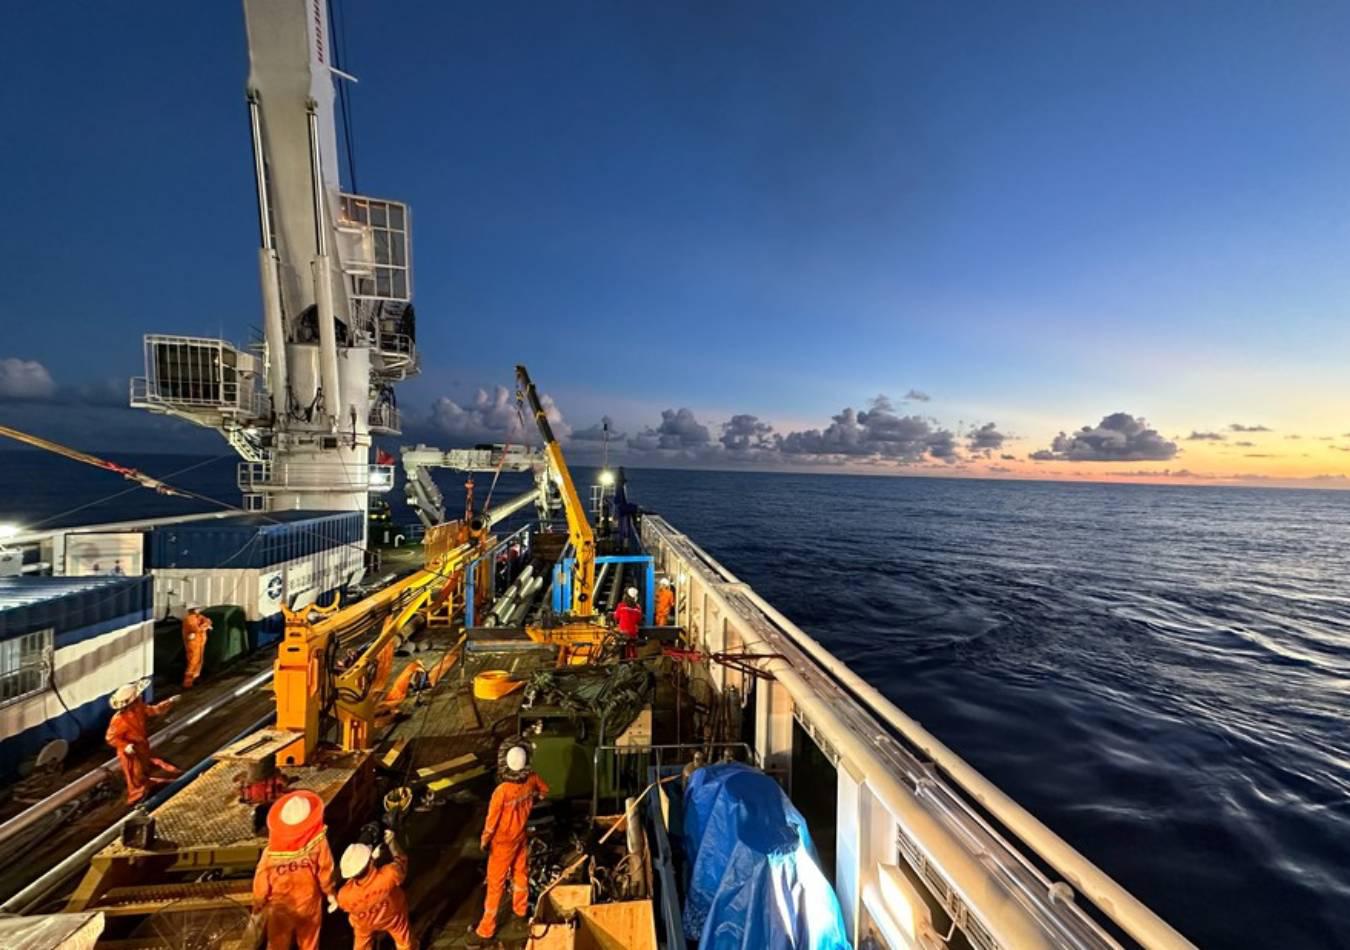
{"x":1038,"y":213}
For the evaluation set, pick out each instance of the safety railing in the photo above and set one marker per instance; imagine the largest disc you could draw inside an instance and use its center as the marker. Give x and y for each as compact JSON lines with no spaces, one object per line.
{"x":890,"y":769}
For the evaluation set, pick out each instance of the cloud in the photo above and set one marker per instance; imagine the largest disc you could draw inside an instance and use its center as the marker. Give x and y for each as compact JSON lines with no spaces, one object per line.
{"x":877,"y":432}
{"x":986,"y":439}
{"x":493,"y":418}
{"x":918,"y":395}
{"x":999,"y":469}
{"x":25,"y":380}
{"x":1206,"y":437}
{"x":744,"y":433}
{"x":1119,"y":437}
{"x":1258,"y":455}
{"x":1293,"y":437}
{"x":679,"y":431}
{"x":1008,"y":458}
{"x":1244,"y":445}
{"x":1239,"y":427}
{"x":604,"y":429}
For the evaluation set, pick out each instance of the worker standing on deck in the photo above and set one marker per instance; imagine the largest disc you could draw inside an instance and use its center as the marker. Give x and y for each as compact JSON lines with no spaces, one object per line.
{"x":665,"y":602}
{"x":295,"y":872}
{"x":196,"y":626}
{"x":372,"y":896}
{"x":129,"y":735}
{"x":628,"y":618}
{"x":505,"y":841}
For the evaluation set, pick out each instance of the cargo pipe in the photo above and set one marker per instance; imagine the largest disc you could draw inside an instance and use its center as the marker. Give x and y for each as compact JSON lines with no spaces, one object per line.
{"x":92,"y":779}
{"x":526,"y":599}
{"x":486,"y":519}
{"x":26,"y":900}
{"x":507,"y":602}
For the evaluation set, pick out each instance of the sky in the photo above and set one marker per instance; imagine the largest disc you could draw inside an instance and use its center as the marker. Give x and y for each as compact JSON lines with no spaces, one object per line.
{"x":1051,"y":240}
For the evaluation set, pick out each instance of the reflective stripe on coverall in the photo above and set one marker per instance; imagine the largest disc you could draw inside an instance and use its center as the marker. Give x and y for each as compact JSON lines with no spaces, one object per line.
{"x":195,"y":628}
{"x":290,"y":886}
{"x":375,"y":902}
{"x":504,"y":834}
{"x":129,"y":727}
{"x":665,"y":602}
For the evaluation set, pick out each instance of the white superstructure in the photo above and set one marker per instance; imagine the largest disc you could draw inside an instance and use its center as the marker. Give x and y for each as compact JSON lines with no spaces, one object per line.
{"x":336,"y":275}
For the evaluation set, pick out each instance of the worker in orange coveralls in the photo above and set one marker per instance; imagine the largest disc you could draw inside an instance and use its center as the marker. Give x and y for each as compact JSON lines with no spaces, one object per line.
{"x":504,"y":838}
{"x":295,"y":872}
{"x":372,"y":897}
{"x":196,"y":626}
{"x":665,"y":602}
{"x":129,"y":735}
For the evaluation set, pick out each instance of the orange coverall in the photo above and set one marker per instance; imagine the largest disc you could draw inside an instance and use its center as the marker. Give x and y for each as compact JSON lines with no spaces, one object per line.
{"x":665,"y":603}
{"x":128,"y":728}
{"x":375,"y":902}
{"x":504,"y":833}
{"x":195,"y":628}
{"x":291,"y":886}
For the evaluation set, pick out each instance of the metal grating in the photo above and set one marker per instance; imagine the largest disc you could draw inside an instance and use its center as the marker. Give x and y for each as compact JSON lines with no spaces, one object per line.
{"x":942,"y":892}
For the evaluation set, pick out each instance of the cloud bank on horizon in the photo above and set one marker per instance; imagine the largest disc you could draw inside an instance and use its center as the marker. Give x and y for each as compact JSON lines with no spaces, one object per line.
{"x":885,"y":434}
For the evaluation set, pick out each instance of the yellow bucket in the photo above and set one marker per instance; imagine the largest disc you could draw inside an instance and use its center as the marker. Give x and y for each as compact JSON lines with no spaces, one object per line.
{"x":494,"y":684}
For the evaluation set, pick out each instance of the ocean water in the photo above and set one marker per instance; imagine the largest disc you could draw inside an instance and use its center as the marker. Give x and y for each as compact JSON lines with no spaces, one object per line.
{"x":1161,"y":674}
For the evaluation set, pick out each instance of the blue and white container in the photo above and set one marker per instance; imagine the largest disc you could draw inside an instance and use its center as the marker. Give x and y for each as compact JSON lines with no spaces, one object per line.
{"x":66,"y":643}
{"x":256,"y":562}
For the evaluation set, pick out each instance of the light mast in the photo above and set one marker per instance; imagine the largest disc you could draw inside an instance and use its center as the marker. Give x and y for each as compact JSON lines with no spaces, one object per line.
{"x":336,"y":275}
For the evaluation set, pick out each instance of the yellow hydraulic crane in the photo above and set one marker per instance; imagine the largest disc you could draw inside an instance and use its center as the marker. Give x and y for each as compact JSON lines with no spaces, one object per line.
{"x":305,"y":682}
{"x":578,"y":528}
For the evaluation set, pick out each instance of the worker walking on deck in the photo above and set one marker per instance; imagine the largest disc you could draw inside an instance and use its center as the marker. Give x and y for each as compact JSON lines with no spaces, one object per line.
{"x":665,"y":602}
{"x":373,"y":898}
{"x":295,"y":873}
{"x":129,"y":734}
{"x":505,"y":841}
{"x":196,"y":627}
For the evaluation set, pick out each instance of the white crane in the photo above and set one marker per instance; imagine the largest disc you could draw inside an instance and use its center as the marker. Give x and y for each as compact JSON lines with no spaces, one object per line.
{"x":336,"y":275}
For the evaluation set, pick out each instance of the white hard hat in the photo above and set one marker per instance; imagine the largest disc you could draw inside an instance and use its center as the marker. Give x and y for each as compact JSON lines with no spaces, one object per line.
{"x":193,"y":608}
{"x":665,"y":582}
{"x":517,"y":758}
{"x":631,"y":592}
{"x":295,"y":811}
{"x":355,"y":859}
{"x":124,"y":696}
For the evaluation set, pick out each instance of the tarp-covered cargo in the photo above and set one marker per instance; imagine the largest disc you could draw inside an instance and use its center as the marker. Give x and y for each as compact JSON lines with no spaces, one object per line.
{"x":754,"y":883}
{"x":252,"y":541}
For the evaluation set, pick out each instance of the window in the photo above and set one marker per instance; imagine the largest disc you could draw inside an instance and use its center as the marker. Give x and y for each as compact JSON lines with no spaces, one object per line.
{"x":25,"y":665}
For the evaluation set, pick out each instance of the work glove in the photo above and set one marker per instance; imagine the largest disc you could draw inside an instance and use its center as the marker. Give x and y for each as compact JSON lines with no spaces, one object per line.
{"x":130,"y":749}
{"x":332,"y":903}
{"x":484,"y":844}
{"x":389,"y":835}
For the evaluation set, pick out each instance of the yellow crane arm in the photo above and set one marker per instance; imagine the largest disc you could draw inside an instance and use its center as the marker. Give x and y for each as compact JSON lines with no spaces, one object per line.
{"x":578,"y":528}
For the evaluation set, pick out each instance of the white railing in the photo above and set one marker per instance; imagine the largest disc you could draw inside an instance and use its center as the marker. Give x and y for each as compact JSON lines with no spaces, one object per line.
{"x":261,"y":477}
{"x":889,"y":769}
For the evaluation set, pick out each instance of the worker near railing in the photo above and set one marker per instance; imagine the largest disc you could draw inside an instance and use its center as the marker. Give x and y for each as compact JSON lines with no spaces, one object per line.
{"x":196,"y":628}
{"x":665,"y":602}
{"x":505,"y":841}
{"x":128,"y":733}
{"x":295,"y":872}
{"x":373,"y":896}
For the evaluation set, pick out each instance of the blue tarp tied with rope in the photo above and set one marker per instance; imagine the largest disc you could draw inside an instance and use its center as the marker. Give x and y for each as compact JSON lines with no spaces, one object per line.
{"x":754,"y":883}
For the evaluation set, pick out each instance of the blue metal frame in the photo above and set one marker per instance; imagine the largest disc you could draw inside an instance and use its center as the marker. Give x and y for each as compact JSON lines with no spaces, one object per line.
{"x":490,"y":555}
{"x":562,"y":581}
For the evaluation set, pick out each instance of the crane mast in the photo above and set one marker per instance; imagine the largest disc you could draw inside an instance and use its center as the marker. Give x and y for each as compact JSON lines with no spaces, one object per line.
{"x":301,"y":405}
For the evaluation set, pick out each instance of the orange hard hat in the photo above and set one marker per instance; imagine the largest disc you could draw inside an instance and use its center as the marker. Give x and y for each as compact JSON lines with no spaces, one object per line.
{"x":293,"y":821}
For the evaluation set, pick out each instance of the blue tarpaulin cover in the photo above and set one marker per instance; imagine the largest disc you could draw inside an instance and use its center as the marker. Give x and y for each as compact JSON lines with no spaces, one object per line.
{"x":754,"y":883}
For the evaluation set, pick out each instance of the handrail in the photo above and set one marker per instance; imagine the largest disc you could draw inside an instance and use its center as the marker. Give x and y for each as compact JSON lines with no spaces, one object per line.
{"x":1116,"y":903}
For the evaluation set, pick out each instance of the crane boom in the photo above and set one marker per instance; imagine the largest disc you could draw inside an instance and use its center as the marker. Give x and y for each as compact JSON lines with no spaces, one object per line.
{"x":578,"y":528}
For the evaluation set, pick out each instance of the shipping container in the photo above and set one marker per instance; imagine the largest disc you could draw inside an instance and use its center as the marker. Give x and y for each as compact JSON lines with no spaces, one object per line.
{"x":66,"y":643}
{"x":252,"y":541}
